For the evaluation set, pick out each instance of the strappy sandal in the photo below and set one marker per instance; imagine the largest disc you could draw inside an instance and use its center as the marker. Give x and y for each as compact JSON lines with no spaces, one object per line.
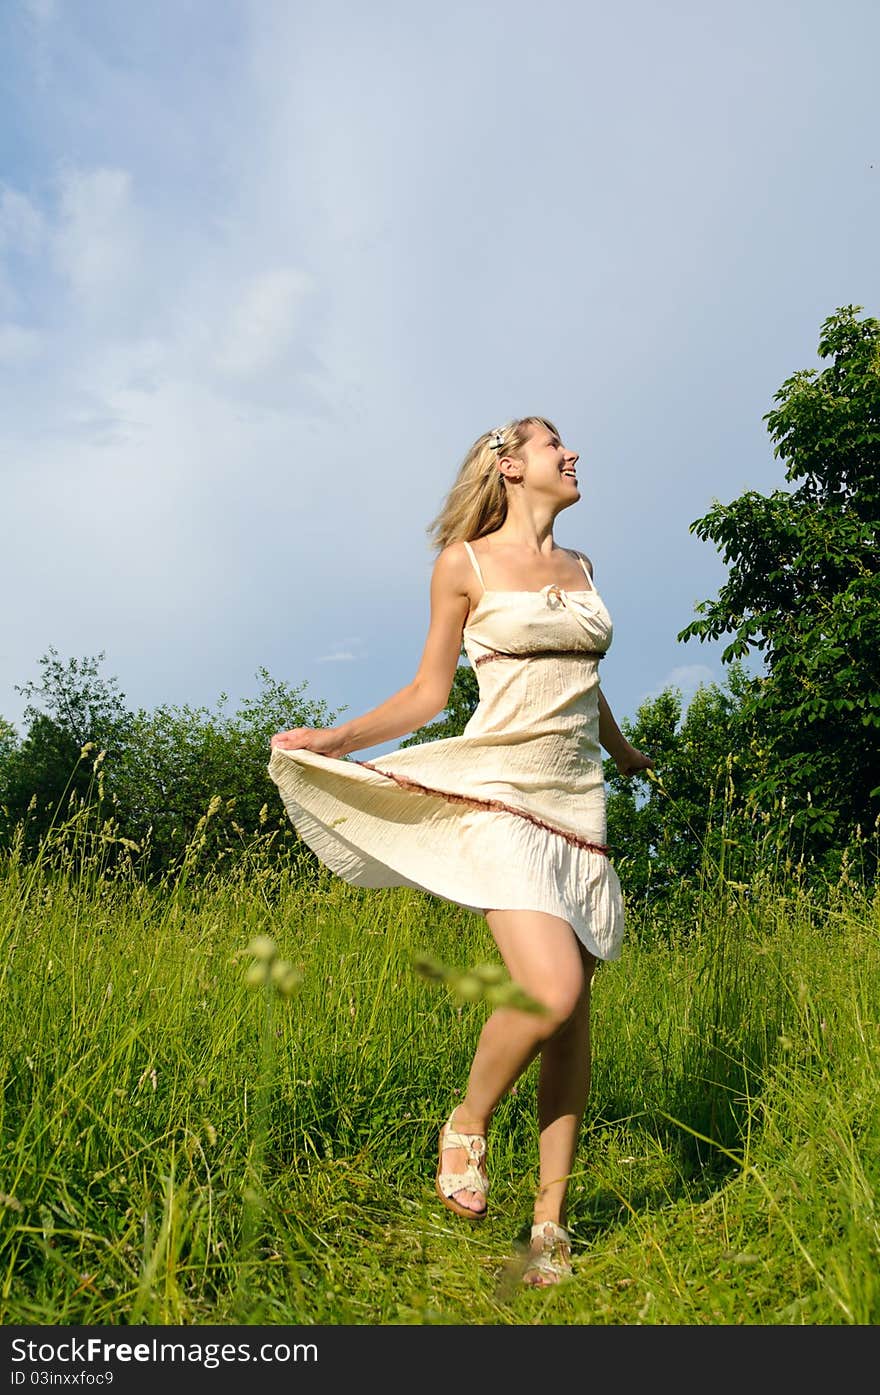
{"x":551,"y":1264}
{"x":473,"y":1179}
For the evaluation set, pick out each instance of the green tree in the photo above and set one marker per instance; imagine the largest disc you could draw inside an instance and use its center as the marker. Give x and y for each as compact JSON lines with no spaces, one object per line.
{"x":162,"y":771}
{"x":72,"y":704}
{"x":668,"y":832}
{"x":178,"y":760}
{"x":81,"y":701}
{"x":9,"y":741}
{"x":804,"y":590}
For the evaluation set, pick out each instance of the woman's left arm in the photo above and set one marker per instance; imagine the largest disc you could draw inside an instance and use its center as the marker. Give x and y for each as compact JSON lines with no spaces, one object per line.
{"x":628,"y":760}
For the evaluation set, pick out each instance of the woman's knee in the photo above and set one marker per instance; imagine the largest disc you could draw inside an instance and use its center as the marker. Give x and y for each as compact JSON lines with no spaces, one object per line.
{"x":561,"y":1001}
{"x":543,"y":955}
{"x":568,"y":1004}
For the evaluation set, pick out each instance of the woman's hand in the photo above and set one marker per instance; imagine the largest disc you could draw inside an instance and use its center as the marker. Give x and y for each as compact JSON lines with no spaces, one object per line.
{"x":630,"y":761}
{"x":325,"y":741}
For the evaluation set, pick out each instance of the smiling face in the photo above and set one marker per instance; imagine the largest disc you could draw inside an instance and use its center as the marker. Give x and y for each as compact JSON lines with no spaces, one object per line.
{"x":545,"y":465}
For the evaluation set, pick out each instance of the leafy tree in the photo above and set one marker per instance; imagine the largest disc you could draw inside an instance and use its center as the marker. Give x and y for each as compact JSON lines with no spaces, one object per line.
{"x":9,"y":741}
{"x":38,"y":777}
{"x":804,"y":590}
{"x":181,"y":761}
{"x":162,"y":772}
{"x":668,"y":832}
{"x":43,"y":772}
{"x":81,"y":701}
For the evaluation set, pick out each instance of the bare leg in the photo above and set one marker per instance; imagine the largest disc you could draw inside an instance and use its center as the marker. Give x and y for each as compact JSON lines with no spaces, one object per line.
{"x":544,"y":956}
{"x":563,"y":1088}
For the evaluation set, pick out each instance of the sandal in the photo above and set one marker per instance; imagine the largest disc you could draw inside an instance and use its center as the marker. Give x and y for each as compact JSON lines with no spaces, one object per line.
{"x":473,"y":1179}
{"x":551,"y":1263}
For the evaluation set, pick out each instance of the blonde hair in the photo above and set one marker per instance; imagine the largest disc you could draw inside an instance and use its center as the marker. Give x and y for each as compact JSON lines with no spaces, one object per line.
{"x":477,"y":502}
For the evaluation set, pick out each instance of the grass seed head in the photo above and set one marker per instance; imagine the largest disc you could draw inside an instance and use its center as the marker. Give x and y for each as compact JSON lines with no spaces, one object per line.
{"x":286,"y":978}
{"x":487,"y":983}
{"x":262,"y":947}
{"x":467,"y":986}
{"x":489,"y":973}
{"x":428,"y":968}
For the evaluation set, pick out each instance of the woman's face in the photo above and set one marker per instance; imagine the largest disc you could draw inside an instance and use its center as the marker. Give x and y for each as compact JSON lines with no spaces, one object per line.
{"x":550,"y":467}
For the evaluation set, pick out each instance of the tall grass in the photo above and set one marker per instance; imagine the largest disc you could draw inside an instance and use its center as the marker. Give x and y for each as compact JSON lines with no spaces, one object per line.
{"x":184,"y":1139}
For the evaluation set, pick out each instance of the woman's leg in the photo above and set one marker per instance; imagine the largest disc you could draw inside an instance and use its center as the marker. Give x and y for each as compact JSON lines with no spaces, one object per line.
{"x":563,"y":1088}
{"x":543,"y":955}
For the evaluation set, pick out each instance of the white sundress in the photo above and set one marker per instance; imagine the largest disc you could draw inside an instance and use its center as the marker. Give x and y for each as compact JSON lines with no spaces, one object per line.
{"x":511,"y":814}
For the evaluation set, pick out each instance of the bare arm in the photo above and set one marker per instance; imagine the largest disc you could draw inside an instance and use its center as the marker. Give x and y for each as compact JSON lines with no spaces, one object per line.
{"x":428,"y":693}
{"x":625,"y":756}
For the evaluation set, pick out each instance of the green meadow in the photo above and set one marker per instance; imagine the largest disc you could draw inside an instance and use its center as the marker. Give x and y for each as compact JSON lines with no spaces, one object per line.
{"x":221,"y":1098}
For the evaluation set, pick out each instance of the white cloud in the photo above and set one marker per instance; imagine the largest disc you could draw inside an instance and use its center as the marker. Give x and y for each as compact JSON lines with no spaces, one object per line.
{"x":22,"y":232}
{"x":21,"y":223}
{"x":96,"y":240}
{"x":263,"y":321}
{"x":340,"y":656}
{"x":686,"y":677}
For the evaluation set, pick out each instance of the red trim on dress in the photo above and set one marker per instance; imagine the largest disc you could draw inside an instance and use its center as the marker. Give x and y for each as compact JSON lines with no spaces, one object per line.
{"x":497,"y":805}
{"x":540,"y":654}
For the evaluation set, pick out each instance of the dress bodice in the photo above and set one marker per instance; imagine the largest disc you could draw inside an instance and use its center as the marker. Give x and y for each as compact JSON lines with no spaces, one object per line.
{"x":523,"y":622}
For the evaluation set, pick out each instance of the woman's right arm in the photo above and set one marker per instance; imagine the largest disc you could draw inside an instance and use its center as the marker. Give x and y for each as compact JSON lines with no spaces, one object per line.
{"x":428,"y":693}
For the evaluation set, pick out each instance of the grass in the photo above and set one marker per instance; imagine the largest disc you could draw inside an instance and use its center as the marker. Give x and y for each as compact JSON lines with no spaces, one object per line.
{"x":181,"y":1145}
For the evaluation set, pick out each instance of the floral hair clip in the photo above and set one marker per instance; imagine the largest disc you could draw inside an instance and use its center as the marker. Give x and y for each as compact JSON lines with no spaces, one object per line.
{"x":496,"y":438}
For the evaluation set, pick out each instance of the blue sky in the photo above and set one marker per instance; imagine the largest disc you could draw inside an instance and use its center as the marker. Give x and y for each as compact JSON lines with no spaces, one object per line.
{"x":267,"y":269}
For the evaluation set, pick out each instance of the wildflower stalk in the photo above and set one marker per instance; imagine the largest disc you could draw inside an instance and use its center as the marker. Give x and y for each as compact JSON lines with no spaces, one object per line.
{"x":273,"y":977}
{"x":486,"y":983}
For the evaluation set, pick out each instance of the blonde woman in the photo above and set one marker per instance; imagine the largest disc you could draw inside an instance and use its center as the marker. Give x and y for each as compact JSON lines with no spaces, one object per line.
{"x":507,"y":819}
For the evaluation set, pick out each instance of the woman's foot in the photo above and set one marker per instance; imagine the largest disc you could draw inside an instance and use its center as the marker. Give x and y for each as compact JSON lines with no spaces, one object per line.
{"x":549,"y":1258}
{"x":462,"y":1183}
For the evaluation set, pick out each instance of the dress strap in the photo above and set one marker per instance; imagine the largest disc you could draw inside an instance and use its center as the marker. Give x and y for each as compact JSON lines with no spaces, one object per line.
{"x":476,"y":564}
{"x":586,"y":572}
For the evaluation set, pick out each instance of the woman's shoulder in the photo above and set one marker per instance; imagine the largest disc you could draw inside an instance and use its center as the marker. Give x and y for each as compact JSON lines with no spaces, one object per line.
{"x":453,"y":565}
{"x":453,"y":555}
{"x":576,"y":552}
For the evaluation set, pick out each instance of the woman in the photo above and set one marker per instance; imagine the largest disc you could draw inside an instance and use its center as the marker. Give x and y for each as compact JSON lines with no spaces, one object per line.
{"x":507,"y":819}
